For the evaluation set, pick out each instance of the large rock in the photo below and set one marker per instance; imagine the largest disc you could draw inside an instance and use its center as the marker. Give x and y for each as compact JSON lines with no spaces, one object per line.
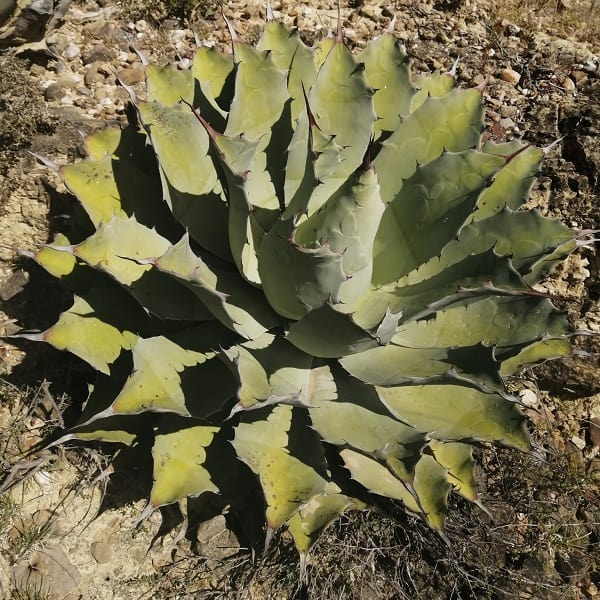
{"x":48,"y":572}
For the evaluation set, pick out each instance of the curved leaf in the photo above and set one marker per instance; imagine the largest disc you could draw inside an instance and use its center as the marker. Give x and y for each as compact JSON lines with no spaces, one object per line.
{"x":455,"y":413}
{"x":80,"y":331}
{"x":169,"y":85}
{"x":452,"y":123}
{"x":428,"y":212}
{"x":190,"y":182}
{"x":287,"y":481}
{"x":179,"y":454}
{"x":388,"y":73}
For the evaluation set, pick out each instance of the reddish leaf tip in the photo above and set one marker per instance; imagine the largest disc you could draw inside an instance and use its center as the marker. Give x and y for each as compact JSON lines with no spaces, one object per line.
{"x":481,"y":87}
{"x":340,"y":34}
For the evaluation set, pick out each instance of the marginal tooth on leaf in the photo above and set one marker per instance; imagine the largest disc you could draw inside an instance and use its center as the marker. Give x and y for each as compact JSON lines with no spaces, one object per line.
{"x":268,"y":540}
{"x":303,"y":568}
{"x":483,"y":507}
{"x":32,"y":337}
{"x":481,"y":87}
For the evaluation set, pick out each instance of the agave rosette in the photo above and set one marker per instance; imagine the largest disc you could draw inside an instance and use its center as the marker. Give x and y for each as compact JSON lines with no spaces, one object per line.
{"x":305,"y":266}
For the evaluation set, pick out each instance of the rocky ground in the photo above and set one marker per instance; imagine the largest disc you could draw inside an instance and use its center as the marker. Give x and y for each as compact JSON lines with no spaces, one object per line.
{"x":68,"y":533}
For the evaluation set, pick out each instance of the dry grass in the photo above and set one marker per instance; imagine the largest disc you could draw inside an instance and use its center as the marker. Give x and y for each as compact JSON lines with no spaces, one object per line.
{"x":158,"y":10}
{"x":569,"y":19}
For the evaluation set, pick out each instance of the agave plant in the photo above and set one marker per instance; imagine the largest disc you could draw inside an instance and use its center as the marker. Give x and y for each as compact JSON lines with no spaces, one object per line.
{"x":301,"y":267}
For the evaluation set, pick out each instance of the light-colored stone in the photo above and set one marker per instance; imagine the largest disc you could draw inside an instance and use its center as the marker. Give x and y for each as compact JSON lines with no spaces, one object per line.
{"x":93,"y":75}
{"x":102,"y":552}
{"x":184,"y":64}
{"x":510,"y":76}
{"x":135,"y":74}
{"x":510,"y":27}
{"x":48,"y":571}
{"x":71,"y":51}
{"x":70,"y":80}
{"x":529,"y":398}
{"x":508,"y":124}
{"x":215,"y":540}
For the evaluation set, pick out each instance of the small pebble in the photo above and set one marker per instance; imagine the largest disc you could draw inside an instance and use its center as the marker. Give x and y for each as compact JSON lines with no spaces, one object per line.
{"x":568,"y":84}
{"x":71,"y":51}
{"x":131,"y":76}
{"x":102,"y":92}
{"x":529,"y":398}
{"x":510,"y":76}
{"x":579,"y":77}
{"x":53,"y":92}
{"x":70,"y":80}
{"x":102,"y":552}
{"x":92,"y":75}
{"x":510,"y":27}
{"x":100,"y":53}
{"x":508,"y":124}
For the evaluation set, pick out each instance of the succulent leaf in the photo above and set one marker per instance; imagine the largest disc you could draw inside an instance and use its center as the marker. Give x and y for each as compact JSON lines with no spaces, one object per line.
{"x":82,"y":333}
{"x":235,"y":304}
{"x":511,"y":185}
{"x":432,"y":487}
{"x":290,"y":53}
{"x":451,"y":123}
{"x":190,"y":183}
{"x":435,"y":85}
{"x":179,"y":455}
{"x":378,"y":479}
{"x":388,"y":72}
{"x":440,"y":209}
{"x":288,"y":482}
{"x":168,"y":85}
{"x":156,"y":387}
{"x":213,"y":71}
{"x":457,"y":412}
{"x":457,"y":459}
